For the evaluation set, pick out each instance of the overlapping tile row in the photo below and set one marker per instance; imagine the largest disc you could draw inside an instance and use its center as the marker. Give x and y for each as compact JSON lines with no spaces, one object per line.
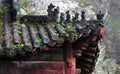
{"x":22,"y":38}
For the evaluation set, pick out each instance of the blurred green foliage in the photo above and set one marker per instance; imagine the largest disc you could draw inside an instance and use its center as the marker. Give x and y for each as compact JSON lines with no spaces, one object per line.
{"x":3,"y":9}
{"x":112,"y":22}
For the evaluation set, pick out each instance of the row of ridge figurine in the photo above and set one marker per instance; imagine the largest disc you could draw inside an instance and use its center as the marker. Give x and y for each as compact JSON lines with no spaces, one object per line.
{"x":54,"y":11}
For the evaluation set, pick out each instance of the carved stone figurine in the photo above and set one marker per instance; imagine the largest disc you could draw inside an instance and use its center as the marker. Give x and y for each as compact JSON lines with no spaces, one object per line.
{"x":62,"y":17}
{"x":14,"y":14}
{"x":83,"y":15}
{"x":49,"y":10}
{"x":75,"y":19}
{"x":100,"y":16}
{"x":55,"y":13}
{"x":67,"y":16}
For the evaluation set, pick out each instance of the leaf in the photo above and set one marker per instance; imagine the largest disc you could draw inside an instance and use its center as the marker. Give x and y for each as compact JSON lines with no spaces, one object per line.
{"x":19,"y":32}
{"x":22,"y":45}
{"x":1,"y":23}
{"x":19,"y":8}
{"x":58,"y":34}
{"x":67,"y":35}
{"x":40,"y":40}
{"x":13,"y":47}
{"x":75,"y":37}
{"x":3,"y":33}
{"x":63,"y":24}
